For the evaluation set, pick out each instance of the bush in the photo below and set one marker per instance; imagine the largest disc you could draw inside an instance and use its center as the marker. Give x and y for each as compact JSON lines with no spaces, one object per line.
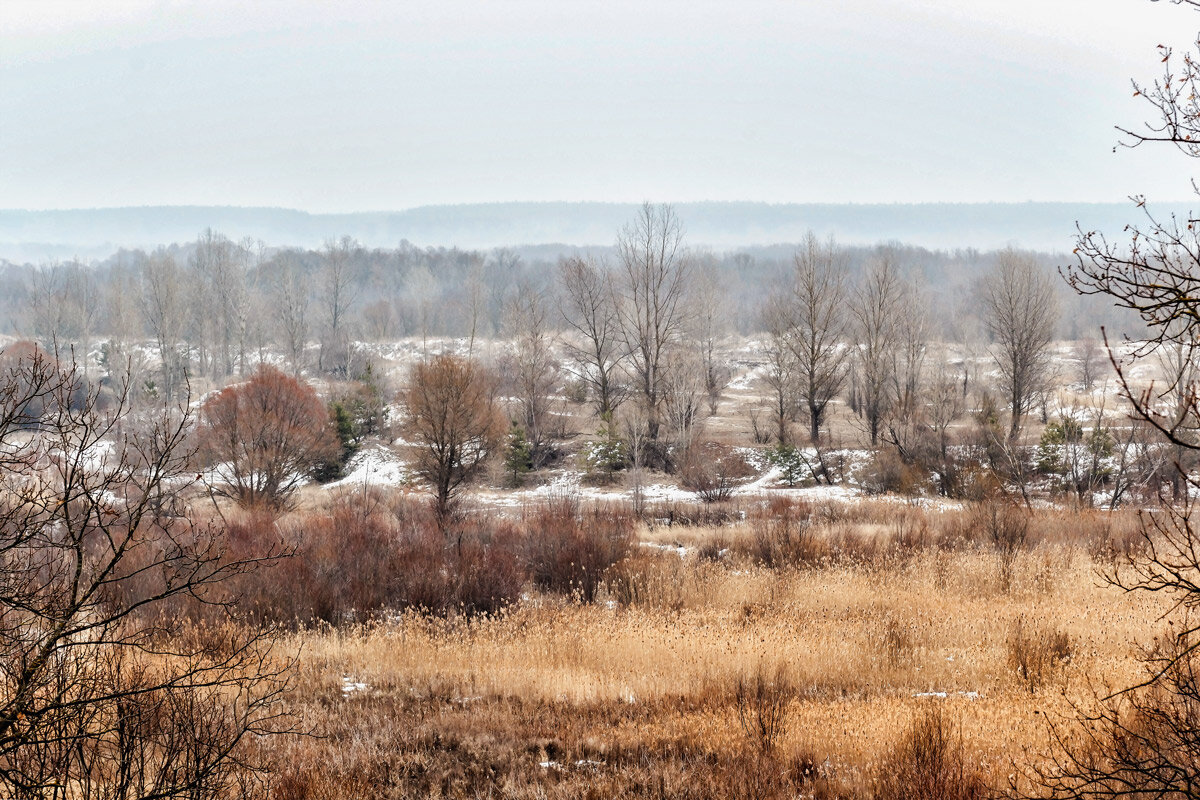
{"x":928,"y":764}
{"x":713,"y":471}
{"x":1006,"y":528}
{"x":762,"y":705}
{"x":783,"y":536}
{"x":265,"y":435}
{"x":888,"y":472}
{"x":1037,"y":654}
{"x":567,"y":551}
{"x":357,"y":561}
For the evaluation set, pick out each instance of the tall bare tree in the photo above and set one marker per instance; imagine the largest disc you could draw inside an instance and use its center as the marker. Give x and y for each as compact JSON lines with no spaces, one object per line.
{"x":1019,"y":306}
{"x":1142,"y":742}
{"x":913,"y":332}
{"x":337,"y":295}
{"x":531,"y":367}
{"x":217,"y":303}
{"x":710,"y":321}
{"x":877,"y":311}
{"x":291,"y":301}
{"x":49,"y":306}
{"x":651,"y":290}
{"x":596,"y":344}
{"x":165,"y":312}
{"x":819,"y":327}
{"x":781,"y":369}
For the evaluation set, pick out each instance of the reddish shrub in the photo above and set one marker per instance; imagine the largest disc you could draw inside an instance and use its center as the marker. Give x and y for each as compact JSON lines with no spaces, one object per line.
{"x":266,"y":434}
{"x":568,"y":551}
{"x":355,"y":562}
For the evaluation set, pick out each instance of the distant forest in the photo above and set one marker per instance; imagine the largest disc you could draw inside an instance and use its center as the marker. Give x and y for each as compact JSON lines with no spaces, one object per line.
{"x":249,"y":296}
{"x":33,"y":236}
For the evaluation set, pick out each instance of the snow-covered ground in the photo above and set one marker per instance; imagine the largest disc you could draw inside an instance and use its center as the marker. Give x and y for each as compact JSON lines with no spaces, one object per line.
{"x":374,"y":465}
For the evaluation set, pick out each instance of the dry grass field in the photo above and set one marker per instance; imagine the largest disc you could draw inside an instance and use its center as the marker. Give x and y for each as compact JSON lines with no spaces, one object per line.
{"x":879,"y":649}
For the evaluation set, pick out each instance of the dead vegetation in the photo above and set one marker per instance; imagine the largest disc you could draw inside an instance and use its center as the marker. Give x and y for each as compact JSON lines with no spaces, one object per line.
{"x":880,"y":650}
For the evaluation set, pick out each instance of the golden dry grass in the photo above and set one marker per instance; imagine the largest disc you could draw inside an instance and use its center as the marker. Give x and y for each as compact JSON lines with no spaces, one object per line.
{"x":476,"y":707}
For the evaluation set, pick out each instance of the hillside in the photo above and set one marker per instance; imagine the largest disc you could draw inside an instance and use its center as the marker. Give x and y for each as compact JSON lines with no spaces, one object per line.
{"x":36,"y":235}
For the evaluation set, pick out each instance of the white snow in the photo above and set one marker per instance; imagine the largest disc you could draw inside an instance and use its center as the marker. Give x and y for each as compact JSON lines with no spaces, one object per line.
{"x":351,"y":686}
{"x":375,"y":466}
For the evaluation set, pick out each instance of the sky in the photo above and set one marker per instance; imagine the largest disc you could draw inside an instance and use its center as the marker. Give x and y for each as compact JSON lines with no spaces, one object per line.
{"x":355,"y":106}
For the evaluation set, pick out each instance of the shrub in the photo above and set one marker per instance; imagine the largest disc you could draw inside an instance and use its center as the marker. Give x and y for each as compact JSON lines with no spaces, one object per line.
{"x":1037,"y":654}
{"x":1006,"y":528}
{"x":713,"y":471}
{"x":928,"y":763}
{"x":888,"y":472}
{"x":568,"y":552}
{"x":783,"y":536}
{"x":356,"y":561}
{"x":762,"y":704}
{"x":265,"y":435}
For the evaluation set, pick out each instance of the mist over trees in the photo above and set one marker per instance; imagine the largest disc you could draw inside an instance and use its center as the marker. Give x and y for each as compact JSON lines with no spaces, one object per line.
{"x":212,"y":307}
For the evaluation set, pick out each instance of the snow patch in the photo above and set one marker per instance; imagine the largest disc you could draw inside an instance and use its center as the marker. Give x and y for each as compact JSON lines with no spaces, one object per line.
{"x":373,"y":467}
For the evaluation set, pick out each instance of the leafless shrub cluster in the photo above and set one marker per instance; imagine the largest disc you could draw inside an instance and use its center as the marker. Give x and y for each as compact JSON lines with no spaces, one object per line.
{"x":1037,"y":653}
{"x":928,"y":763}
{"x":126,"y":670}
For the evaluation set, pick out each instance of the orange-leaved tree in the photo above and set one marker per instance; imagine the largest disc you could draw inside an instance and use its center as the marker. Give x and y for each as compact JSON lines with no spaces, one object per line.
{"x":263,"y":437}
{"x":453,"y":422}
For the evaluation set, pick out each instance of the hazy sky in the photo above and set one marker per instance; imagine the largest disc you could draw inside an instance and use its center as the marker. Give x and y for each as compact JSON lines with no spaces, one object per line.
{"x":385,"y":105}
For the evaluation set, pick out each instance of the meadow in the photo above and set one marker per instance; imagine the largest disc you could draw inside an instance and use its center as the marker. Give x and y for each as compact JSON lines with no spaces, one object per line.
{"x":877,"y":649}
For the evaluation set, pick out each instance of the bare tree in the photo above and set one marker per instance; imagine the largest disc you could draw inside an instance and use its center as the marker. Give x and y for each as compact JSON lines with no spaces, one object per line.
{"x":165,"y":312}
{"x":476,"y":303}
{"x":531,"y":366}
{"x":453,"y":422}
{"x":1090,"y":358}
{"x":502,"y":270}
{"x":421,"y":287}
{"x":50,"y":306}
{"x":650,"y":294}
{"x":1020,"y":305}
{"x":337,"y":295}
{"x":291,"y":301}
{"x":596,"y":346}
{"x":1141,"y":742}
{"x":877,"y":310}
{"x":1173,"y":401}
{"x":122,"y":323}
{"x":819,"y":328}
{"x":912,"y":342}
{"x":685,"y":394}
{"x":108,"y":691}
{"x":709,"y":324}
{"x":218,"y":303}
{"x":782,"y":368}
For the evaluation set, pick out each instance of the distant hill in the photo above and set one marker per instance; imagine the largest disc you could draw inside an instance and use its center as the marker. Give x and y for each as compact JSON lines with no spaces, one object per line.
{"x":37,"y":235}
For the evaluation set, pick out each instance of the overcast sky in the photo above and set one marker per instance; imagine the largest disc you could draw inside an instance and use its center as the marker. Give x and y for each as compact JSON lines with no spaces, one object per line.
{"x":364,"y":106}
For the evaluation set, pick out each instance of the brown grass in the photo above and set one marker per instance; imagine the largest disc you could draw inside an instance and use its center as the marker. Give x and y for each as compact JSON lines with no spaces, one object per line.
{"x":904,"y":657}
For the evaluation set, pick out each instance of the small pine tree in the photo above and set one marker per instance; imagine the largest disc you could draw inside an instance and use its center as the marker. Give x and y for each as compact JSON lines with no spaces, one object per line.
{"x":333,"y":468}
{"x":606,"y":454}
{"x":791,"y":463}
{"x":518,"y":455}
